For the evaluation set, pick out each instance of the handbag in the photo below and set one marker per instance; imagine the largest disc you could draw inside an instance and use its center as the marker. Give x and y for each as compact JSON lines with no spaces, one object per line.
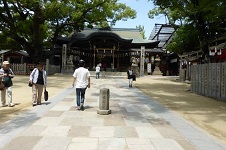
{"x":46,"y":95}
{"x":30,"y":84}
{"x":2,"y":86}
{"x":134,"y":77}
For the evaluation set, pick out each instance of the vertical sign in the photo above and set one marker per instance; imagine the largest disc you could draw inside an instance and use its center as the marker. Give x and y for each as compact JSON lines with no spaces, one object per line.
{"x":142,"y":55}
{"x":149,"y":68}
{"x":64,"y":57}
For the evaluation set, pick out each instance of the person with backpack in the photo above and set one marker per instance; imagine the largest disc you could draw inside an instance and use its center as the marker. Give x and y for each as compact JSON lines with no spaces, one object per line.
{"x":6,"y":75}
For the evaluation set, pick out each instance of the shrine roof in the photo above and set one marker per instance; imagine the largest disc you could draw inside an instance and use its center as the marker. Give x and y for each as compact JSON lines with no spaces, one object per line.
{"x":124,"y":33}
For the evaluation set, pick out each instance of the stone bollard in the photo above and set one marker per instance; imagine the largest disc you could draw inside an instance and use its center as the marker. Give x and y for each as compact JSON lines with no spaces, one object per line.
{"x":104,"y":102}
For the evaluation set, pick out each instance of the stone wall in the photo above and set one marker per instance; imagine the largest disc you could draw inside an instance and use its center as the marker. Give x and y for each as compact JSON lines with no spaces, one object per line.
{"x":209,"y":80}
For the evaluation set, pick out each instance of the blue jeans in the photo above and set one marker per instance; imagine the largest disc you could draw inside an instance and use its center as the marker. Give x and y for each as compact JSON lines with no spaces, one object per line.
{"x":80,"y":94}
{"x":97,"y":75}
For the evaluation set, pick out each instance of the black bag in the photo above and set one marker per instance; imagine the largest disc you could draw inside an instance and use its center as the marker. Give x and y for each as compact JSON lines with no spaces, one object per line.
{"x":46,"y":95}
{"x":134,"y":77}
{"x":7,"y":81}
{"x":30,"y":84}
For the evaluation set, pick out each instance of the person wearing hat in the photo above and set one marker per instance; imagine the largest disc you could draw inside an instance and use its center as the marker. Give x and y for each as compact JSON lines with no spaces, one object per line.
{"x":82,"y":78}
{"x":38,"y":81}
{"x":6,"y":75}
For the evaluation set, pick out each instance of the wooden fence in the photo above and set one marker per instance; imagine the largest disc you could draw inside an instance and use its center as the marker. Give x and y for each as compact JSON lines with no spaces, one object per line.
{"x":209,"y":80}
{"x":26,"y":69}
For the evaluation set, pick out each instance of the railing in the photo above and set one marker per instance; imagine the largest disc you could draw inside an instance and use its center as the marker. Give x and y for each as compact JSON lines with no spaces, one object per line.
{"x":26,"y":69}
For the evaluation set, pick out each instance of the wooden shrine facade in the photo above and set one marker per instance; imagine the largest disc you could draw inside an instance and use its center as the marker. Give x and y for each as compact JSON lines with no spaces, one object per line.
{"x":114,"y":47}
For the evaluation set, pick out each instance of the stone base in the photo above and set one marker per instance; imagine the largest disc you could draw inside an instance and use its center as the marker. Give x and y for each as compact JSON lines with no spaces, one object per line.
{"x":103,"y":112}
{"x":157,"y":71}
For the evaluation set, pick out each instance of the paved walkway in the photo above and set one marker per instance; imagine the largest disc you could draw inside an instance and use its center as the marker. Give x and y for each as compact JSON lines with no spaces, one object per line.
{"x":136,"y":123}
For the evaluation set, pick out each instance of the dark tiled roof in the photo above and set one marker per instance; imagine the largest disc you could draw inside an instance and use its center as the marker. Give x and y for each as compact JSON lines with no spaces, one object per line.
{"x":124,"y":33}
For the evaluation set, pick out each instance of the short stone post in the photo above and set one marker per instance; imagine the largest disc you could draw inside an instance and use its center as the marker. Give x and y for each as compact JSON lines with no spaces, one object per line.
{"x":104,"y":102}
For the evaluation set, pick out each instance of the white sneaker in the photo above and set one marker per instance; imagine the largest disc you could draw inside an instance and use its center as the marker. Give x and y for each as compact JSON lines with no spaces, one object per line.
{"x":11,"y":105}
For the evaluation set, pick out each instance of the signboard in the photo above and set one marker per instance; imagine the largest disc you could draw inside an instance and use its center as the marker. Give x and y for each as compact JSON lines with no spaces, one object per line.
{"x":142,"y":55}
{"x":64,"y":57}
{"x":149,"y":67}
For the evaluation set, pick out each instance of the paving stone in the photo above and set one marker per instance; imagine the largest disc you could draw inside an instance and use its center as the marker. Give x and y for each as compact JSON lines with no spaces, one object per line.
{"x":112,"y":144}
{"x":69,"y":121}
{"x":24,"y":143}
{"x":53,"y":143}
{"x":168,"y":131}
{"x":54,"y":114}
{"x":148,"y":132}
{"x":114,"y":122}
{"x":68,"y":99}
{"x":87,"y":121}
{"x":48,"y":121}
{"x":125,"y":132}
{"x":60,"y":108}
{"x":163,"y":144}
{"x":142,"y":147}
{"x":56,"y":131}
{"x":186,"y":145}
{"x":136,"y":123}
{"x":102,"y":132}
{"x":33,"y":131}
{"x":207,"y":145}
{"x":83,"y":144}
{"x":79,"y":131}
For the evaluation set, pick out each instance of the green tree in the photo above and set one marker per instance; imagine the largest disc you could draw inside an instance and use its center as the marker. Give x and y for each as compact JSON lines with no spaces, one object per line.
{"x":184,"y":40}
{"x":207,"y":17}
{"x":141,"y":28}
{"x":34,"y":24}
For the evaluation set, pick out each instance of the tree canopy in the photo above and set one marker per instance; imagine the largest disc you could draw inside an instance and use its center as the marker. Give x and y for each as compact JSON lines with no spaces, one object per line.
{"x":32,"y":25}
{"x":205,"y":19}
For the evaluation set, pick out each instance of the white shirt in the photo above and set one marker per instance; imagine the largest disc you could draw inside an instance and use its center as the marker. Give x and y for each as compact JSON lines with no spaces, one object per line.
{"x":81,"y":74}
{"x":34,"y":76}
{"x":97,"y":69}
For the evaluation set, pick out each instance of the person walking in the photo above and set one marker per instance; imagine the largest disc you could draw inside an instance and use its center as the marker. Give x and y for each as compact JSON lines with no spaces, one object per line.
{"x":130,"y":76}
{"x":104,"y":71}
{"x":82,"y":78}
{"x":38,"y":80}
{"x":6,"y":75}
{"x":97,"y":72}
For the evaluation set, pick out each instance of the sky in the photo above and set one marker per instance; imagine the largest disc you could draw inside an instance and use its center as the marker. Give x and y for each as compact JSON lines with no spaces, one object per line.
{"x":142,"y":8}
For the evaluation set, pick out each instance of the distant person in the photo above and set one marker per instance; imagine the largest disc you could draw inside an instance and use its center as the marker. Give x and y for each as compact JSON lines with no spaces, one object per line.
{"x":82,"y":78}
{"x":38,"y":81}
{"x":130,"y":76}
{"x":112,"y":67}
{"x":104,"y":70}
{"x":97,"y":71}
{"x":6,"y":75}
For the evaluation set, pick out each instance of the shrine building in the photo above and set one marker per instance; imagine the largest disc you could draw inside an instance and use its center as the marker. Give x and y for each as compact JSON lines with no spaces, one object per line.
{"x":113,"y":46}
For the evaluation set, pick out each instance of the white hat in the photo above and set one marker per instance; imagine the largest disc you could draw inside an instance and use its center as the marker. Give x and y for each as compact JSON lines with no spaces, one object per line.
{"x":5,"y":63}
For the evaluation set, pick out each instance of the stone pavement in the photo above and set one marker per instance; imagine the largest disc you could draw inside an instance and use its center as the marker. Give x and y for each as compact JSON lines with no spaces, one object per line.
{"x":137,"y":122}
